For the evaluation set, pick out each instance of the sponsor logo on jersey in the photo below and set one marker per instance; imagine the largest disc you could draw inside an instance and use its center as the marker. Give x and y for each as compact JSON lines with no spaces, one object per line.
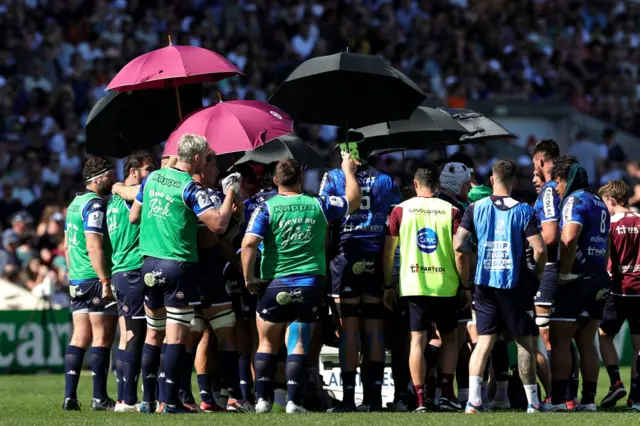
{"x":567,"y":211}
{"x":336,"y":201}
{"x":547,"y":203}
{"x":95,"y":219}
{"x":427,"y":240}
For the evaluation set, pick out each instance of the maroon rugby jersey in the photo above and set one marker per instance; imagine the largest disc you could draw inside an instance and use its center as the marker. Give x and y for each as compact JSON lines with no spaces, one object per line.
{"x":624,"y":262}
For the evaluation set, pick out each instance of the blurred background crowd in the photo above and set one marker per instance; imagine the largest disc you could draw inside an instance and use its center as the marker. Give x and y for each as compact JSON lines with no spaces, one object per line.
{"x":57,"y":56}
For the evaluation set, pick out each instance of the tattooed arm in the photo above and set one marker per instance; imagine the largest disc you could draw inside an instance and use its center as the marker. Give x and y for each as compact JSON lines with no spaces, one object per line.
{"x":463,"y":242}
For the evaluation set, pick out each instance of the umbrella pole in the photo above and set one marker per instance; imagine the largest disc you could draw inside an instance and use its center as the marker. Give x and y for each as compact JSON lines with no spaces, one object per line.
{"x":178,"y":100}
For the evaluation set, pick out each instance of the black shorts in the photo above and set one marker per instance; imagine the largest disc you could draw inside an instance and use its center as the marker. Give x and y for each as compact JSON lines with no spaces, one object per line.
{"x":425,"y":310}
{"x":129,"y":294}
{"x":617,"y":309}
{"x":211,"y":283}
{"x":353,"y":275}
{"x":511,"y":309}
{"x":169,"y":283}
{"x":296,"y":298}
{"x":547,"y":286}
{"x":86,"y":298}
{"x":582,"y":299}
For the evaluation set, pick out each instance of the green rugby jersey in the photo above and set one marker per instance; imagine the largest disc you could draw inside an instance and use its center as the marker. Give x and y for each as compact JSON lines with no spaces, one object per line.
{"x":124,"y":236}
{"x":85,"y":214}
{"x":171,"y":203}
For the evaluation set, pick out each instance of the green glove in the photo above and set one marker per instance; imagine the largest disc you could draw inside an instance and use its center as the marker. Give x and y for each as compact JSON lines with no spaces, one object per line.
{"x":351,"y":148}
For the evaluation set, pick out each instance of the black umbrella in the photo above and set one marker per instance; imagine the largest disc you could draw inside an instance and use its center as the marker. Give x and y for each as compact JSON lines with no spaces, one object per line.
{"x":347,"y":90}
{"x":121,"y":123}
{"x":479,"y":127}
{"x":427,"y":127}
{"x":287,"y":146}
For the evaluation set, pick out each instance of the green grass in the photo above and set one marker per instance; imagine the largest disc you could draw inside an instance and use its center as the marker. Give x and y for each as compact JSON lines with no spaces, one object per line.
{"x":35,"y":400}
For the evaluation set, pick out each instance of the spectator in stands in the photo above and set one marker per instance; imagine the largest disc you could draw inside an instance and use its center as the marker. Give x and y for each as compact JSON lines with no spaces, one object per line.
{"x":633,"y":170}
{"x":589,"y":155}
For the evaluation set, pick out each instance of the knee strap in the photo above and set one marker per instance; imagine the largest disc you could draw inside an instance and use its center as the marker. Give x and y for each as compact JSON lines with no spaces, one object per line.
{"x":180,"y":316}
{"x":156,"y":323}
{"x":372,"y":311}
{"x":139,"y":329}
{"x":346,"y":310}
{"x":222,"y":319}
{"x":197,"y":324}
{"x":542,"y":321}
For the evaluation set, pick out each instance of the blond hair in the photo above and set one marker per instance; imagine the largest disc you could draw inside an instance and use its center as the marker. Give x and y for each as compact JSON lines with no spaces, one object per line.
{"x":616,"y":189}
{"x":189,"y":146}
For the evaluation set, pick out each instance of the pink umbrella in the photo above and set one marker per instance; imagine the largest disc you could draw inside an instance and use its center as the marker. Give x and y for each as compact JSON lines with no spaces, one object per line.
{"x":173,"y":66}
{"x":233,"y":126}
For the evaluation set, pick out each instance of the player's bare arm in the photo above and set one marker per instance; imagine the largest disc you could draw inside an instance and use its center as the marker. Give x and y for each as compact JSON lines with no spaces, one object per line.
{"x":463,"y":242}
{"x":539,"y":253}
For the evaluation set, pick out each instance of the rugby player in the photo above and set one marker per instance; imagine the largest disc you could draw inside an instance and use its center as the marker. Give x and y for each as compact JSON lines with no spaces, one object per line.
{"x":624,"y":301}
{"x":88,"y":255}
{"x":455,"y":186}
{"x":424,"y":226}
{"x":168,"y":207}
{"x":292,"y":226}
{"x":503,"y":297}
{"x":356,"y":280}
{"x":215,"y":300}
{"x":127,"y":261}
{"x":582,"y":283}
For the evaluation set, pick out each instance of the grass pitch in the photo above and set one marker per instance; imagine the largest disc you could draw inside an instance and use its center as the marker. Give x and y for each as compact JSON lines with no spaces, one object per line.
{"x":36,"y":400}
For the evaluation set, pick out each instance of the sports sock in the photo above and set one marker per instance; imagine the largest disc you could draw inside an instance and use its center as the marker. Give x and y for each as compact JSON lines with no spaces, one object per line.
{"x":231,"y":373}
{"x":187,"y":363}
{"x":295,"y":373}
{"x":475,"y":390}
{"x":206,"y":393}
{"x":130,"y":373}
{"x":532,"y":394}
{"x":348,"y":388}
{"x":173,"y":370}
{"x":162,"y":377}
{"x":265,"y":366}
{"x":72,"y":367}
{"x":99,"y":362}
{"x":119,"y":375}
{"x":446,"y":384}
{"x":420,"y":394}
{"x":558,"y":391}
{"x":500,"y":361}
{"x":150,"y":363}
{"x":375,"y":379}
{"x":614,"y":373}
{"x":246,"y":378}
{"x":589,"y":392}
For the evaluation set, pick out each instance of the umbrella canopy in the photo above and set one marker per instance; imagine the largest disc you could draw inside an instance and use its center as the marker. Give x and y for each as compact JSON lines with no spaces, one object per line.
{"x":121,"y":123}
{"x":479,"y":127}
{"x":287,"y":146}
{"x":173,"y":66}
{"x":426,"y":127}
{"x":233,"y":126}
{"x":347,"y":89}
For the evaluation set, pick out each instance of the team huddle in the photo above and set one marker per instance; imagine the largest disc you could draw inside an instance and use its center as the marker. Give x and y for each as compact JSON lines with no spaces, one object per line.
{"x":244,"y":279}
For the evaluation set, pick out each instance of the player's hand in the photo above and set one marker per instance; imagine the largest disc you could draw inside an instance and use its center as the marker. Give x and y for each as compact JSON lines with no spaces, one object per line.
{"x":390,"y":298}
{"x":348,"y":165}
{"x":107,"y":293}
{"x":254,"y":285}
{"x":170,"y":162}
{"x":231,"y":183}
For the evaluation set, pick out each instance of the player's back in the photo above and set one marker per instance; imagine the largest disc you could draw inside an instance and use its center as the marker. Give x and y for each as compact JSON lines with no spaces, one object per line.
{"x":585,"y":208}
{"x":625,"y":253}
{"x":501,"y":226}
{"x":364,"y":229}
